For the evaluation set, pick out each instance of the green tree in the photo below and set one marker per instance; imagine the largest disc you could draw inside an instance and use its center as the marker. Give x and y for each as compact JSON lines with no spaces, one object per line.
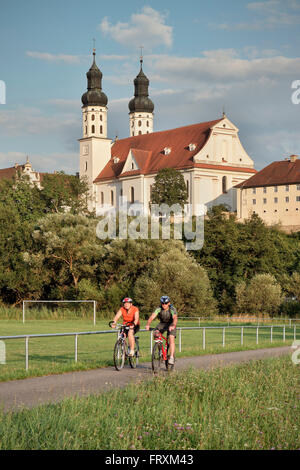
{"x":62,"y":192}
{"x":262,"y":295}
{"x":69,"y":249}
{"x":175,"y":273}
{"x":169,"y":188}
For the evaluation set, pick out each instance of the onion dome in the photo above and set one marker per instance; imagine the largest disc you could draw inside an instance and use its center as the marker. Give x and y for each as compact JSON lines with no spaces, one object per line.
{"x":141,"y":101}
{"x":94,"y":96}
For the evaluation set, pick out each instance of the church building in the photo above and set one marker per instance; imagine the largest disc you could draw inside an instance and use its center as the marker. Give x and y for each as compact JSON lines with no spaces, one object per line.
{"x":209,"y":155}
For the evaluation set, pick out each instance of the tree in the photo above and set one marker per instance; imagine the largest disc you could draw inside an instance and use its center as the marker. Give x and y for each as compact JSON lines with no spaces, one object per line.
{"x":69,"y":250}
{"x":262,"y":295}
{"x":61,"y":192}
{"x":169,"y":188}
{"x":176,"y":274}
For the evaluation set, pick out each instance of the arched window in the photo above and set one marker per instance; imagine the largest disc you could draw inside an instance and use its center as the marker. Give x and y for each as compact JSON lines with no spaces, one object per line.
{"x":112,"y":197}
{"x":102,"y":198}
{"x":224,"y":185}
{"x":101,"y":129}
{"x":140,"y":132}
{"x":93,"y":117}
{"x":85,"y":166}
{"x":86,"y":129}
{"x":100,"y":117}
{"x":93,"y":129}
{"x":188,"y":189}
{"x":147,"y":123}
{"x":139,"y":123}
{"x":132,"y":194}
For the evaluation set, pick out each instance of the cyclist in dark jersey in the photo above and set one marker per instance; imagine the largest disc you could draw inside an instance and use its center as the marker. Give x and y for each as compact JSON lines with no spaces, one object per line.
{"x":167,"y":315}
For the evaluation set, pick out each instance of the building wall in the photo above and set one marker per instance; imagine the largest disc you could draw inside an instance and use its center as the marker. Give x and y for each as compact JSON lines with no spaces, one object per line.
{"x":262,"y":201}
{"x":140,"y":123}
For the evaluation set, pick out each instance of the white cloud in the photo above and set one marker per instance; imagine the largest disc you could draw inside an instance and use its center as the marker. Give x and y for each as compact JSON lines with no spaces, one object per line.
{"x":66,"y":58}
{"x":147,"y":29}
{"x":269,"y":14}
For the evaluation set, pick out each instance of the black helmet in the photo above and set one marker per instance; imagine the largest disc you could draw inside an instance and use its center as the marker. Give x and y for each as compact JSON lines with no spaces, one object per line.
{"x":165,"y":299}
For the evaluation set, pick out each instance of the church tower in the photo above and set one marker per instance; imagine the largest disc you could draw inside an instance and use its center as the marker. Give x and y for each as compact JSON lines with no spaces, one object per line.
{"x":94,"y":145}
{"x":141,"y":107}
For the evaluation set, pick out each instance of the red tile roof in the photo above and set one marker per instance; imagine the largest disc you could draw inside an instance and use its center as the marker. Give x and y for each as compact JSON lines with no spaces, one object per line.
{"x":148,"y":151}
{"x":7,"y":173}
{"x":277,"y":173}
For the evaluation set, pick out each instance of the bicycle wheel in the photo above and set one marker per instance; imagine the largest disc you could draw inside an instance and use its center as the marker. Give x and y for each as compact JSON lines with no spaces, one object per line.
{"x":119,"y":355}
{"x":157,"y":357}
{"x":134,"y":360}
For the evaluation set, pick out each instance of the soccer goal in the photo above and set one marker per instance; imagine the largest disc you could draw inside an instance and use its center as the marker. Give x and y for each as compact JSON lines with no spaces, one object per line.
{"x":27,"y":302}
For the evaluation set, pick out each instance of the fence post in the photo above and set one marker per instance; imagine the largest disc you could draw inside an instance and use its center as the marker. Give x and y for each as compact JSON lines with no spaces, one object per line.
{"x":94,"y":312}
{"x":224,"y":337}
{"x":283,"y":333}
{"x":23,"y":311}
{"x":242,"y":336}
{"x":257,"y":335}
{"x":180,"y":339}
{"x":76,"y":347}
{"x":294,"y":332}
{"x":203,"y":338}
{"x":26,"y":353}
{"x":271,"y":334}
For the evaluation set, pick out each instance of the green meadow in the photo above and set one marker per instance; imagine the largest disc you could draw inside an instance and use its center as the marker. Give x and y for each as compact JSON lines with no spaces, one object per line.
{"x":248,"y":406}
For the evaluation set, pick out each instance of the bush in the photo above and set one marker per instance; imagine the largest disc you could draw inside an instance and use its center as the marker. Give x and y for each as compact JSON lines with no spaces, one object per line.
{"x":261,"y":296}
{"x":176,"y":274}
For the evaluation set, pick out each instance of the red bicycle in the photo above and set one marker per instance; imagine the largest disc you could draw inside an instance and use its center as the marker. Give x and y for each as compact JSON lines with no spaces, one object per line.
{"x":160,"y":352}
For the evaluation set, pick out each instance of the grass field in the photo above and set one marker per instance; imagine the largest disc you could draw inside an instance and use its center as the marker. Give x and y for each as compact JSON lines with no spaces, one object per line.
{"x":56,"y":354}
{"x":250,"y":406}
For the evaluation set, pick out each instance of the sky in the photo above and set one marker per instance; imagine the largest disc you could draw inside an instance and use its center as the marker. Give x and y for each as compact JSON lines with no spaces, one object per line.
{"x":200,"y":57}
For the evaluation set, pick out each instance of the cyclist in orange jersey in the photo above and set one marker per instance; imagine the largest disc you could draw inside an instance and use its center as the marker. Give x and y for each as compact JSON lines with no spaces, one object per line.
{"x":131,"y":315}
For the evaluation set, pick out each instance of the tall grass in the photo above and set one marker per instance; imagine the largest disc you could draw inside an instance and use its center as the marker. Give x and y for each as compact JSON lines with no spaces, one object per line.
{"x":250,"y":406}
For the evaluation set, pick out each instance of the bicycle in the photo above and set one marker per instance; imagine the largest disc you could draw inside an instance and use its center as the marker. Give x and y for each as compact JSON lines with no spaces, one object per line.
{"x":160,"y":352}
{"x":121,"y":349}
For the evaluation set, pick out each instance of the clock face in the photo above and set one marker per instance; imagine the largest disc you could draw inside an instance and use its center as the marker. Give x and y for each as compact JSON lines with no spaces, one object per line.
{"x":85,"y":150}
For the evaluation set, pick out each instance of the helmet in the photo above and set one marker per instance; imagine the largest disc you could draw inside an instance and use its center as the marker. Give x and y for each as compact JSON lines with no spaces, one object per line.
{"x":165,"y":299}
{"x":127,"y":299}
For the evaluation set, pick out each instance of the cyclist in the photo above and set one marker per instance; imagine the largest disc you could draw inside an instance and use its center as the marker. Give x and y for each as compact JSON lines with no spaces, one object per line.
{"x":167,"y":315}
{"x":131,"y":315}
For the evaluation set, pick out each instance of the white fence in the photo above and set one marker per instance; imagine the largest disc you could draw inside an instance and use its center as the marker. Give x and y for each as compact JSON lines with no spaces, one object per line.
{"x":179,"y":330}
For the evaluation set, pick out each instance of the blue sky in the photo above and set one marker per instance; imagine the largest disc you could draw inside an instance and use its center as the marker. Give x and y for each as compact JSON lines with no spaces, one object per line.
{"x":198,"y":55}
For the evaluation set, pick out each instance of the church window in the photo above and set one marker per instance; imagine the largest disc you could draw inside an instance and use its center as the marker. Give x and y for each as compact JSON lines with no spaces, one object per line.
{"x":112,"y":197}
{"x":132,"y":166}
{"x":132,"y":194}
{"x":101,"y":129}
{"x":85,"y":166}
{"x":224,"y":185}
{"x":93,"y":117}
{"x":187,"y":189}
{"x":102,"y":198}
{"x":133,"y":133}
{"x":140,"y":132}
{"x":147,"y":123}
{"x":93,"y":129}
{"x":86,"y":129}
{"x":139,"y":123}
{"x":147,"y":132}
{"x":121,"y":192}
{"x":100,"y":117}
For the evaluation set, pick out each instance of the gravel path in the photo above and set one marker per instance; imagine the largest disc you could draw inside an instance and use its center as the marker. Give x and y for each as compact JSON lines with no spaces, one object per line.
{"x":31,"y":392}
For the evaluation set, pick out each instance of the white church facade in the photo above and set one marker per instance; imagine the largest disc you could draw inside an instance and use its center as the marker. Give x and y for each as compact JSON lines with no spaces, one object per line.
{"x":209,"y":155}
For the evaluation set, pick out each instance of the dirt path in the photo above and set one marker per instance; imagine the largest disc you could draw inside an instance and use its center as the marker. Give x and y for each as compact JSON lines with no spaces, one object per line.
{"x":31,"y":392}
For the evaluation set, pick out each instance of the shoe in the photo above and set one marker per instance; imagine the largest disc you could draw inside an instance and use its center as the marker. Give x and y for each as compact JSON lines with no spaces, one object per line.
{"x":171,"y":361}
{"x":131,"y":353}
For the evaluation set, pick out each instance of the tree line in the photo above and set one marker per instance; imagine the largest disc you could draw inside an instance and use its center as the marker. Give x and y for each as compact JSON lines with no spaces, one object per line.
{"x":49,"y":250}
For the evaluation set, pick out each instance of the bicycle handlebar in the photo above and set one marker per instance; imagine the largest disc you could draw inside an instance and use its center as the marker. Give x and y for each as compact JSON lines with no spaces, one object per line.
{"x":126,"y":325}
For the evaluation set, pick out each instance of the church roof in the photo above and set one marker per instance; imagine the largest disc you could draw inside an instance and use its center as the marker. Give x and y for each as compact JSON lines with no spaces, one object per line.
{"x":276,"y":174}
{"x":149,"y":151}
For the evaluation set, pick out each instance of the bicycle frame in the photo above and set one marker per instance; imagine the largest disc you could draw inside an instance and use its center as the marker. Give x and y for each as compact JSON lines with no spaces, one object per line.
{"x":164,"y":347}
